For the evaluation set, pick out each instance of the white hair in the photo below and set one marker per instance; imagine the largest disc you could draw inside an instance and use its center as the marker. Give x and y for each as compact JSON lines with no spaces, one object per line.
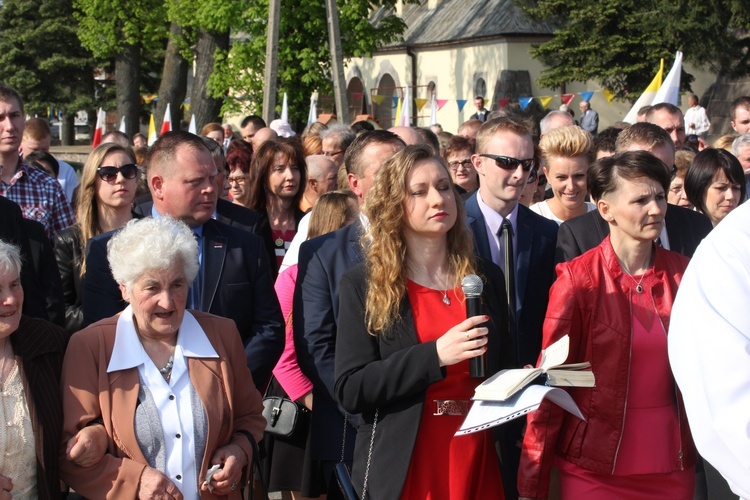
{"x":343,"y":134}
{"x":152,"y":243}
{"x":10,"y":258}
{"x":739,"y":143}
{"x":546,"y":124}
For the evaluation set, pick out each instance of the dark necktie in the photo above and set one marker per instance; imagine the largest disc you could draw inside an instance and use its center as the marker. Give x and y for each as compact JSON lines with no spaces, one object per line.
{"x":506,"y":232}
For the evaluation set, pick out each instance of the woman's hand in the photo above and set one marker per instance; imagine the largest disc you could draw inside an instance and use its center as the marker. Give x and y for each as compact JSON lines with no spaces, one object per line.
{"x":87,"y":447}
{"x":233,"y":459}
{"x":6,"y":486}
{"x":464,"y":341}
{"x":306,"y":400}
{"x":156,"y":486}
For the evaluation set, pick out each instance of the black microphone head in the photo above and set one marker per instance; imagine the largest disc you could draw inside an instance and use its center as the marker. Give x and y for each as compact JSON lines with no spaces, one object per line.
{"x":472,"y":285}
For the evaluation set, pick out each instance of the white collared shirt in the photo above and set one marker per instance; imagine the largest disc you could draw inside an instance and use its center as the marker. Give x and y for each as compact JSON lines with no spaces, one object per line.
{"x":493,"y":221}
{"x":172,"y":398}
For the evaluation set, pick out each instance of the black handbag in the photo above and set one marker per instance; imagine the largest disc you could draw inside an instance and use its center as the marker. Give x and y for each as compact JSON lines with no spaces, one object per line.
{"x":285,"y":419}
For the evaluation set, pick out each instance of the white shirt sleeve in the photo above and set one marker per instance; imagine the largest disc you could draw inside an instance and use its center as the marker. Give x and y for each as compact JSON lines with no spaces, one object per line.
{"x":709,"y":348}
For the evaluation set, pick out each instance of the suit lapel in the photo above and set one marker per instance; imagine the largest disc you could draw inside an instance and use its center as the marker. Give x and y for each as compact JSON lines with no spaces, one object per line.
{"x":354,"y":252}
{"x":214,"y":254}
{"x":124,"y":386}
{"x":478,"y":228}
{"x":525,"y":242}
{"x":676,"y":243}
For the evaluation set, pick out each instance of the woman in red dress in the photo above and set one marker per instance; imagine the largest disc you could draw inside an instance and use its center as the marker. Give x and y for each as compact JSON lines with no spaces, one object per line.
{"x":404,"y":343}
{"x":614,"y":302}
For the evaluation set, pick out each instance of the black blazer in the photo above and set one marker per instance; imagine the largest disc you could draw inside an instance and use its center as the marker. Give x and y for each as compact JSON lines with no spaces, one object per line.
{"x":391,"y":373}
{"x":13,"y":230}
{"x":535,"y":272}
{"x":237,"y":284}
{"x":264,"y":231}
{"x":45,"y":265}
{"x":685,"y":230}
{"x":40,"y":346}
{"x":322,"y":261}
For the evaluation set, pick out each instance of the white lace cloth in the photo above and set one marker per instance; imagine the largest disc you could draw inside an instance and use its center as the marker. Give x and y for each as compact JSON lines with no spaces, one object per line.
{"x":17,"y":454}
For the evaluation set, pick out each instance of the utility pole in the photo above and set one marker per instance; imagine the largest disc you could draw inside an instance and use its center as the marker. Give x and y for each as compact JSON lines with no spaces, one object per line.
{"x":272,"y":60}
{"x":337,"y":63}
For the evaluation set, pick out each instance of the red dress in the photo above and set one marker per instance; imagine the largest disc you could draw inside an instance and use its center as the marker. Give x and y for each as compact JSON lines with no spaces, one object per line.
{"x":442,"y":465}
{"x":646,"y":461}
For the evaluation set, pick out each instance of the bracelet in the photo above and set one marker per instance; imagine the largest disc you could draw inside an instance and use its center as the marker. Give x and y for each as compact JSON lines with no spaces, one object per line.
{"x":96,"y":421}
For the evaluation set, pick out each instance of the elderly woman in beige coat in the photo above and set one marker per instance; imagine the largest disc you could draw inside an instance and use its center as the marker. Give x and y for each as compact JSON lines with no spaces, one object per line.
{"x":170,"y":386}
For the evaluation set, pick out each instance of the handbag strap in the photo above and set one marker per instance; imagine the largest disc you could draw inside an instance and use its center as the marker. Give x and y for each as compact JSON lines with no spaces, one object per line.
{"x":369,"y":454}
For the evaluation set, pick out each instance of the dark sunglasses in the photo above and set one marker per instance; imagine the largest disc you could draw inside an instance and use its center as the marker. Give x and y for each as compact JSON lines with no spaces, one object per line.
{"x":510,"y":163}
{"x":109,"y":174}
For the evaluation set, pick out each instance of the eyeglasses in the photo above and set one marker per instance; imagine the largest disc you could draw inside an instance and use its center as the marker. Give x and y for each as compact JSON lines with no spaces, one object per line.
{"x":453,"y":165}
{"x":109,"y":174}
{"x":533,"y":175}
{"x":238,"y":180}
{"x":333,"y":153}
{"x":510,"y":163}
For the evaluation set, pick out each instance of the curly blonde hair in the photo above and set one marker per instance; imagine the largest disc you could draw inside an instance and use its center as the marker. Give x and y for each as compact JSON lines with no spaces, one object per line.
{"x":385,"y":246}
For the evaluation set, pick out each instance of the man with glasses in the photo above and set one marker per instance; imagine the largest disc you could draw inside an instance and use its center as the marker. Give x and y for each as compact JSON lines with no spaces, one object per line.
{"x":39,"y":195}
{"x":335,"y":141}
{"x":683,"y":229}
{"x":521,"y":242}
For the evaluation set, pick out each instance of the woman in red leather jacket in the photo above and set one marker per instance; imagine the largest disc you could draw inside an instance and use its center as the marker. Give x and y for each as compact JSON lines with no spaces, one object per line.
{"x":614,"y":302}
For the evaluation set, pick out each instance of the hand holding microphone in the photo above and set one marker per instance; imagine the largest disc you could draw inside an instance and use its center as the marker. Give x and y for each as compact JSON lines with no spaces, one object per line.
{"x":472,"y":287}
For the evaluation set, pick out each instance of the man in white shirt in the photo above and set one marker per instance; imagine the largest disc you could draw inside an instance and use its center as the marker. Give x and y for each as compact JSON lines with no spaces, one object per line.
{"x":696,"y":120}
{"x":709,"y":348}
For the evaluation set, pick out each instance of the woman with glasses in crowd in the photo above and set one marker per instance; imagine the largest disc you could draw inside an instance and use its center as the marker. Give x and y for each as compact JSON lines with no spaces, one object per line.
{"x":105,"y":198}
{"x":715,"y":183}
{"x":567,"y":156}
{"x":457,"y":155}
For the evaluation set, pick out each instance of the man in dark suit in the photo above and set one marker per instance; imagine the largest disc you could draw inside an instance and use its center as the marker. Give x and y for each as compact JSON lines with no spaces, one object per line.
{"x":234,"y":279}
{"x":482,"y":113}
{"x":504,"y":162}
{"x":322,"y":262}
{"x":683,"y":229}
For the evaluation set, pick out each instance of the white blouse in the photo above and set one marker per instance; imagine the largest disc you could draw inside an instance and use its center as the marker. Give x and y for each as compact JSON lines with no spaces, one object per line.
{"x":17,"y":450}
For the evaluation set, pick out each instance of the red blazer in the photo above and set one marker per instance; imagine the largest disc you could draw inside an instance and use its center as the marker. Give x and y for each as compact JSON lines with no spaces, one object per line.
{"x":587,"y":303}
{"x":224,"y":384}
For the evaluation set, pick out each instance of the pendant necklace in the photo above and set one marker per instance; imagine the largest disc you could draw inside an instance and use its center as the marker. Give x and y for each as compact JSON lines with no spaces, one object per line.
{"x":166,"y":372}
{"x":638,"y":287}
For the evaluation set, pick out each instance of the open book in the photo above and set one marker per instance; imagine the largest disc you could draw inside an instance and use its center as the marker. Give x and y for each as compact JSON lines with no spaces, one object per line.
{"x":505,"y":383}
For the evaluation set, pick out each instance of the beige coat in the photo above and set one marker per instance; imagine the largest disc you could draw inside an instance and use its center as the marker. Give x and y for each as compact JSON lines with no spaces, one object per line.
{"x":224,"y":384}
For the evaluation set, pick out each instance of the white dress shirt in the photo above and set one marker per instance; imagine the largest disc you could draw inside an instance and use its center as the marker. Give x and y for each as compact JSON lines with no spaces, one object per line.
{"x":493,"y":221}
{"x":172,"y":398}
{"x":709,"y":348}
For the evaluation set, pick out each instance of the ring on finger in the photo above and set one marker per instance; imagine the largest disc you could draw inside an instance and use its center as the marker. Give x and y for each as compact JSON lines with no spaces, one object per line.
{"x":234,"y":486}
{"x":467,"y":336}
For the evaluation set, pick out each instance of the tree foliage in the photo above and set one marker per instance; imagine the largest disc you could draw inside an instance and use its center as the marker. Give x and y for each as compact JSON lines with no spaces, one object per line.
{"x":42,"y":58}
{"x":620,"y":42}
{"x":304,"y":55}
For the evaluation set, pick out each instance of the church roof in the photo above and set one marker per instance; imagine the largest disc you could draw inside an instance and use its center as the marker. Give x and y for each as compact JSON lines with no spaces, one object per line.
{"x":452,"y":21}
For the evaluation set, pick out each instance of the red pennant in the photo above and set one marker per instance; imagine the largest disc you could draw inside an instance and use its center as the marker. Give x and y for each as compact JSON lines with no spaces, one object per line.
{"x":566,"y":98}
{"x":503,"y":101}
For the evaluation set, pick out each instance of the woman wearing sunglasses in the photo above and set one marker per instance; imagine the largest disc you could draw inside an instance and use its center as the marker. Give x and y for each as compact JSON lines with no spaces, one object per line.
{"x":104,"y":201}
{"x":567,"y":153}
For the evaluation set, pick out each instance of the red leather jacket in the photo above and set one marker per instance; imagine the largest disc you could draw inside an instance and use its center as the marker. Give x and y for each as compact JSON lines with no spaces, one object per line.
{"x":588,"y":303}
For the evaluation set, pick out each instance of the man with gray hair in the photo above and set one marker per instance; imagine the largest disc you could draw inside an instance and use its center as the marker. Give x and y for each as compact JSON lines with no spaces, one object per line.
{"x":321,"y":178}
{"x":335,"y":140}
{"x":553,"y":120}
{"x":741,"y":149}
{"x":589,"y":118}
{"x":234,"y":279}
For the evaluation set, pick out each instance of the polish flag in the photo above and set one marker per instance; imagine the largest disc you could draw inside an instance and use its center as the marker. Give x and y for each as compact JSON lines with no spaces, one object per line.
{"x":99,"y":131}
{"x":166,"y":124}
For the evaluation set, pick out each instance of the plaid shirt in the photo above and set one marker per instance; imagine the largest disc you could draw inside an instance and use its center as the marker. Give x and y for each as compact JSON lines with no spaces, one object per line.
{"x":40,"y":197}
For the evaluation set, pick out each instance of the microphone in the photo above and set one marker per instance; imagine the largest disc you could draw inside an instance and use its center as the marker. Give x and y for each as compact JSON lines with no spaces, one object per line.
{"x":472,"y":287}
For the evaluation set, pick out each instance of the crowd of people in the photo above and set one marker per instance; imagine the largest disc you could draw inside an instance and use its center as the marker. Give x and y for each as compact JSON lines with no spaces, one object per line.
{"x":147,"y":308}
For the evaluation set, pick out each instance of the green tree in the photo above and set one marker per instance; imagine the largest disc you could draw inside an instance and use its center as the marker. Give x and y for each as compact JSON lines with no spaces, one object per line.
{"x":131,"y":33}
{"x":43,"y":60}
{"x":304,"y":56}
{"x":620,"y":42}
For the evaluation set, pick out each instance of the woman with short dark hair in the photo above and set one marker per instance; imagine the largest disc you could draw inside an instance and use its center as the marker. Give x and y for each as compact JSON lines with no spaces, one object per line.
{"x":614,"y":303}
{"x":715,"y":183}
